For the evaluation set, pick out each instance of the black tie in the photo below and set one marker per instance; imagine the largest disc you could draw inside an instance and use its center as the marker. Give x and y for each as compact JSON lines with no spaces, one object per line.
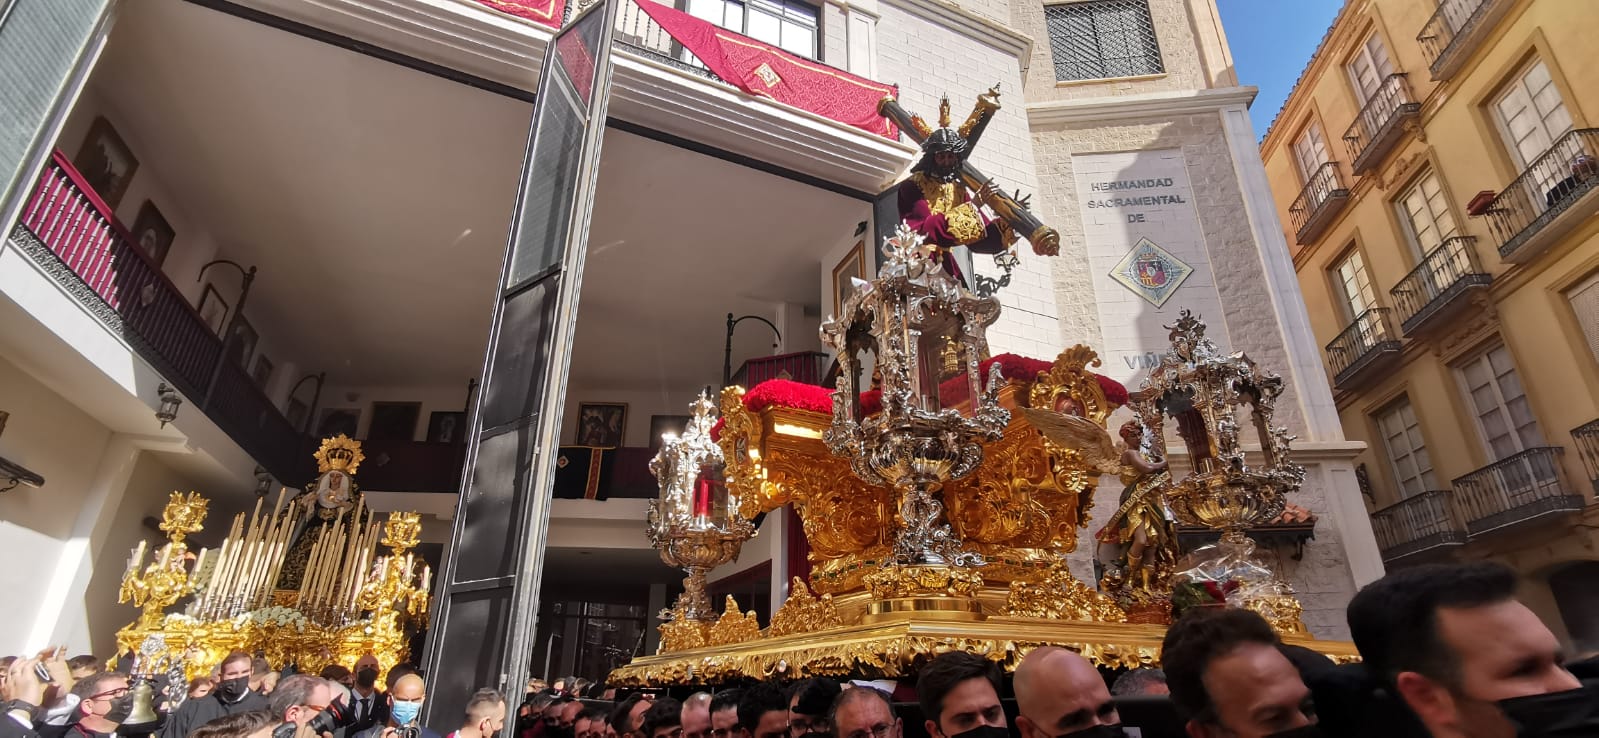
{"x":363,"y":712}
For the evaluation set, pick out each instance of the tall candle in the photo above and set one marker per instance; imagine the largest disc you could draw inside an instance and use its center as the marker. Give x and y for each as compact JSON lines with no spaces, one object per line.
{"x":703,"y":496}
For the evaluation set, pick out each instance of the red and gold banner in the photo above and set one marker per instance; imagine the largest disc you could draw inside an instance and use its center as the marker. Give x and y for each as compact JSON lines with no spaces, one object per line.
{"x":765,"y":70}
{"x":547,"y":12}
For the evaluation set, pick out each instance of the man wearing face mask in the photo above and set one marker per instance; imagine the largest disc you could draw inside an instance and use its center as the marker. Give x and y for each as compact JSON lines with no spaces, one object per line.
{"x":1230,"y":680}
{"x":1466,"y":657}
{"x":485,"y":716}
{"x":104,"y":701}
{"x":370,"y":705}
{"x":1059,"y":693}
{"x":959,"y":696}
{"x":405,"y":707}
{"x":231,"y":696}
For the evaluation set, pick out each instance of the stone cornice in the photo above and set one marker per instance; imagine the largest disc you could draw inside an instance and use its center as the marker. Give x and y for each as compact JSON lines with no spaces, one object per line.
{"x":971,"y":25}
{"x":1150,"y":105}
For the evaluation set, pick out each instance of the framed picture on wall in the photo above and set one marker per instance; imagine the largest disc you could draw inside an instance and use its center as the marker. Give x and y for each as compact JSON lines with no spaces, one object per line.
{"x":663,"y":424}
{"x":213,"y":309}
{"x":152,"y":234}
{"x":601,"y":424}
{"x":105,"y":162}
{"x":262,"y":372}
{"x":853,"y":266}
{"x":244,"y":340}
{"x":335,"y":420}
{"x":447,"y":427}
{"x":394,"y":421}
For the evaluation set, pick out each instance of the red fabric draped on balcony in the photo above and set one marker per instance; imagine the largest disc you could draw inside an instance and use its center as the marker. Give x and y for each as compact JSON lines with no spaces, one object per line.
{"x":767,"y":71}
{"x":546,"y":12}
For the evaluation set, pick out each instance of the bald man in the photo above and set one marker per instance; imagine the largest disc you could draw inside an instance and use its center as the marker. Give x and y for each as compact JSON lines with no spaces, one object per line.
{"x":405,"y":711}
{"x":1058,"y":693}
{"x":696,"y":717}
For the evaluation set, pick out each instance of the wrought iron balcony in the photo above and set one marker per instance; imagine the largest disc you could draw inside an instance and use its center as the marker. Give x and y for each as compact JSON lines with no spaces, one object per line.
{"x":1516,"y":490}
{"x":1324,"y":195}
{"x":1380,"y":124}
{"x":1418,"y":524}
{"x":1586,"y":438}
{"x":1554,"y":195}
{"x":1455,"y":30}
{"x":638,"y":32}
{"x":1367,"y":345}
{"x":1440,"y":284}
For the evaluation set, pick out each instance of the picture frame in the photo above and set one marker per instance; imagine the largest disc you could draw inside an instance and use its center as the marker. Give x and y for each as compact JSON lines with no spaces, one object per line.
{"x":393,"y":421}
{"x":447,"y":426}
{"x":152,"y":234}
{"x":852,"y":265}
{"x":106,"y":162}
{"x":601,"y":424}
{"x":335,"y":420}
{"x":262,"y":373}
{"x":213,"y":309}
{"x":244,"y":340}
{"x":295,"y":412}
{"x":662,"y":424}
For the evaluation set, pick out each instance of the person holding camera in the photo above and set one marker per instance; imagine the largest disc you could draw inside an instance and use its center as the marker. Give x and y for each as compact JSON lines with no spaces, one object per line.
{"x":297,"y":701}
{"x":405,"y":709}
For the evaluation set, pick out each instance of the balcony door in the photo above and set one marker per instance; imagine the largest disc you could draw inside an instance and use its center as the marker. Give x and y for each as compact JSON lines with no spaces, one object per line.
{"x":1407,"y":450}
{"x":1310,"y":151}
{"x":1369,"y":68}
{"x":1584,"y":299}
{"x":1425,"y":208}
{"x":1354,"y":286}
{"x":1531,"y":116}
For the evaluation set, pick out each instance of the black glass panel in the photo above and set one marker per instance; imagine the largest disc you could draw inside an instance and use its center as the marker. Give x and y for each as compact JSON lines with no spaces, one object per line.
{"x":521,"y":355}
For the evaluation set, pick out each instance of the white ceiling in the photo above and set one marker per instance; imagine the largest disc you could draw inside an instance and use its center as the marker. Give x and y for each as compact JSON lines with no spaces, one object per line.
{"x":374,"y":199}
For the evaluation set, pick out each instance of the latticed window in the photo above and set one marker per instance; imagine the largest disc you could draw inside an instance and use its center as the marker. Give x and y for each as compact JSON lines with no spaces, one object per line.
{"x":1102,"y":39}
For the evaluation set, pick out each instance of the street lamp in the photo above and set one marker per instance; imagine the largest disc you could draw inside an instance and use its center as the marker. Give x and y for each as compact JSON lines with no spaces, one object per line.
{"x":727,"y":353}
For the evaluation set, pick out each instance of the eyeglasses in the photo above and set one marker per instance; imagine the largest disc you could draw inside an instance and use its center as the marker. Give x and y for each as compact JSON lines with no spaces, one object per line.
{"x":880,"y":730}
{"x":110,"y":694}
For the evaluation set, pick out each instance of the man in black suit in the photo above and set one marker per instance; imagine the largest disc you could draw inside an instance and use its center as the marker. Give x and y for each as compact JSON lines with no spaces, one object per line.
{"x":232,"y":696}
{"x":405,"y":709}
{"x":368,"y":703}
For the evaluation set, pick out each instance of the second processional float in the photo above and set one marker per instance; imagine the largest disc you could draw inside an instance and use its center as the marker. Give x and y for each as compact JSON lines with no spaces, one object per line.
{"x":941,"y":488}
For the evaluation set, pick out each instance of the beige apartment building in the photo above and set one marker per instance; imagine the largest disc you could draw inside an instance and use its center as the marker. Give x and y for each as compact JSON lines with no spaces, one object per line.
{"x":1434,"y":169}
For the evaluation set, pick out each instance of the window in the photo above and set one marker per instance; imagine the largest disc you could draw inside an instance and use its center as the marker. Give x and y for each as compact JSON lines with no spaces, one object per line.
{"x":1354,"y":285}
{"x":1426,"y":210}
{"x":1407,"y":452}
{"x":1102,"y":39}
{"x":1504,"y":417}
{"x":1310,"y":151}
{"x":1370,"y":67}
{"x":1531,"y":114}
{"x":787,"y":24}
{"x":1584,"y":300}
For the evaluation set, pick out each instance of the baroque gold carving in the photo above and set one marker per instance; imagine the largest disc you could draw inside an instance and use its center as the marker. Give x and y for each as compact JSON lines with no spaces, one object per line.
{"x":803,"y":612}
{"x":734,"y":627}
{"x":1059,"y":596}
{"x":681,"y":632}
{"x":892,"y":582}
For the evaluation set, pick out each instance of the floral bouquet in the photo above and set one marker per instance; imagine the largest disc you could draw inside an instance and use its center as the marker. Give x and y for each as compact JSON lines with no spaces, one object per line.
{"x":1227,"y":574}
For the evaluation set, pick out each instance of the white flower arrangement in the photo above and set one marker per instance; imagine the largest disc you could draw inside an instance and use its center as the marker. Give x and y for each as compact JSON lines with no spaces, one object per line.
{"x":278,"y":616}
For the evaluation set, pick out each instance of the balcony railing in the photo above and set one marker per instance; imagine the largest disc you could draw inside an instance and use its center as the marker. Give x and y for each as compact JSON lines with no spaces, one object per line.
{"x":1517,"y":489}
{"x":640,"y":33}
{"x":1550,"y":198}
{"x":1367,"y":343}
{"x":1416,"y":524}
{"x":1586,"y":438}
{"x":1437,"y":285}
{"x":1454,"y":30}
{"x":69,"y":231}
{"x":1380,"y":124}
{"x":1324,"y":195}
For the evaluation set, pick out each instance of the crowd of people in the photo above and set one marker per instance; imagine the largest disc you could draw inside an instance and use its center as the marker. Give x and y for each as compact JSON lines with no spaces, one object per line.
{"x":1447,"y":651}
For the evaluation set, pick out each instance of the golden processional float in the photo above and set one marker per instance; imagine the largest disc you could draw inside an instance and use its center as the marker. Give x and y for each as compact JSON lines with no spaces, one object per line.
{"x":940,"y":491}
{"x":302,"y":582}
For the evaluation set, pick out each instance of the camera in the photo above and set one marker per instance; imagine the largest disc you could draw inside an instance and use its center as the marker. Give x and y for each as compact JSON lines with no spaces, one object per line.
{"x":410,"y":731}
{"x":337,"y":715}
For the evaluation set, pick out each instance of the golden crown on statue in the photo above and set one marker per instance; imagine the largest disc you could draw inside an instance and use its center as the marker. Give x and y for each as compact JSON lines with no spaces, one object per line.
{"x":339,"y":453}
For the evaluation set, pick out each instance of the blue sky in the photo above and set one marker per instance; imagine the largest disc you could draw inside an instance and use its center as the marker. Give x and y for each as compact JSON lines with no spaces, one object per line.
{"x":1272,"y":40}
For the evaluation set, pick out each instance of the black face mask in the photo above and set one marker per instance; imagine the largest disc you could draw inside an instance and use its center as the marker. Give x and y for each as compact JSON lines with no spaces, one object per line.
{"x":232,"y":689}
{"x":367,"y":677}
{"x":1557,"y":714}
{"x":121,"y":708}
{"x":1096,"y":731}
{"x":984,"y":731}
{"x":1304,"y":731}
